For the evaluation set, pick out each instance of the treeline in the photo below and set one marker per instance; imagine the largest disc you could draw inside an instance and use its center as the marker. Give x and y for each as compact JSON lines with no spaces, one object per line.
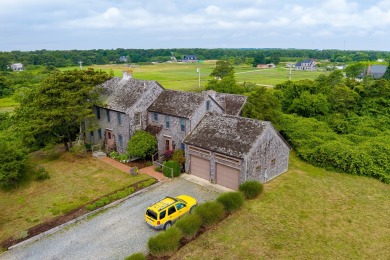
{"x":332,"y":122}
{"x":65,"y":58}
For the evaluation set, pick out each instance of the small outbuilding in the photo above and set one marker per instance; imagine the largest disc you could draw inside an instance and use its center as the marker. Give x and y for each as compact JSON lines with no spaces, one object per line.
{"x":17,"y":67}
{"x":229,"y":150}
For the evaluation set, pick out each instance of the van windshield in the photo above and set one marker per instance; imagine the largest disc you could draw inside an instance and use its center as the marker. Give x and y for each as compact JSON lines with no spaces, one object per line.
{"x":151,"y":213}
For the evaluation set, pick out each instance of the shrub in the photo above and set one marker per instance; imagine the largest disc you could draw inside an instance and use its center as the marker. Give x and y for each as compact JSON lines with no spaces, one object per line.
{"x":189,"y":225}
{"x":106,"y":200}
{"x":231,"y":201}
{"x":114,"y":155}
{"x":121,"y":194}
{"x":149,"y":163}
{"x":174,"y":165}
{"x":129,"y":190}
{"x":124,"y":157}
{"x":251,"y":189}
{"x":165,"y":243}
{"x":142,"y":144}
{"x":147,"y":183}
{"x":158,"y":169}
{"x":42,"y":174}
{"x":136,"y":256}
{"x":99,"y":203}
{"x":210,"y":212}
{"x":178,"y":156}
{"x":114,"y":197}
{"x":90,"y":207}
{"x":168,"y":155}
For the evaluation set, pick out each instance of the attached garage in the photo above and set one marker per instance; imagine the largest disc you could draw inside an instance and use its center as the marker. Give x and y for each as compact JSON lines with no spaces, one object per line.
{"x":200,"y":167}
{"x":227,"y":176}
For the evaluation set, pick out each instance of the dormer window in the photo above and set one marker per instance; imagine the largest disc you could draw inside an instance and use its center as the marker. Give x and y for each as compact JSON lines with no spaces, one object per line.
{"x":208,"y":105}
{"x":167,"y":121}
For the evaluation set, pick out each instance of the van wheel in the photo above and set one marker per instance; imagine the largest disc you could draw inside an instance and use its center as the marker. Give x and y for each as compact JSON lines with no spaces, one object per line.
{"x":167,"y":225}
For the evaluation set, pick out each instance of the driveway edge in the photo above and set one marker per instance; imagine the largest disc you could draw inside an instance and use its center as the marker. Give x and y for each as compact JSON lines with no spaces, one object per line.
{"x":62,"y":226}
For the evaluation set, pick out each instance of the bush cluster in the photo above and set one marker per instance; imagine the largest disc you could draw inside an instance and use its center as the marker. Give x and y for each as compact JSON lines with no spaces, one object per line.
{"x":41,"y":174}
{"x":210,"y":212}
{"x":165,"y":243}
{"x":171,"y":165}
{"x":231,"y":201}
{"x":189,"y":225}
{"x":251,"y":189}
{"x":147,"y":183}
{"x":108,"y":199}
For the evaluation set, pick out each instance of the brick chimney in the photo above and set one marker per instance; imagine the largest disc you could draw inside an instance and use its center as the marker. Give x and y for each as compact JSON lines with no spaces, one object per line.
{"x":127,"y":74}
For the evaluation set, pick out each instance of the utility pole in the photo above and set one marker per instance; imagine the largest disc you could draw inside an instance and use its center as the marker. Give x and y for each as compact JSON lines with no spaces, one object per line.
{"x":198,"y":70}
{"x":81,"y":66}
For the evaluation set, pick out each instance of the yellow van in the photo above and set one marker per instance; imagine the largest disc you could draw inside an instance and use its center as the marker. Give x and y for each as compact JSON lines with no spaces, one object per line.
{"x":162,"y":214}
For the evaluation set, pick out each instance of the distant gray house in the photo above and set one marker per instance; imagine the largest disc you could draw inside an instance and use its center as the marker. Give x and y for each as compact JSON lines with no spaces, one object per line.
{"x":376,"y":71}
{"x":190,"y":58}
{"x":17,"y":67}
{"x":229,"y":150}
{"x":174,"y":114}
{"x":309,"y":65}
{"x":125,"y":110}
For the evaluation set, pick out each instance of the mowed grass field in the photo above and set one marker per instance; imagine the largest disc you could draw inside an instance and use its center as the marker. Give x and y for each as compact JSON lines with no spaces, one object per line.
{"x":306,"y":213}
{"x":184,"y":76}
{"x":74,"y":182}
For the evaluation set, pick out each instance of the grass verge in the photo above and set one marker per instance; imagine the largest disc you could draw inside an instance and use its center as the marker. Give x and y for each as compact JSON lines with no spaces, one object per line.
{"x":307,"y":213}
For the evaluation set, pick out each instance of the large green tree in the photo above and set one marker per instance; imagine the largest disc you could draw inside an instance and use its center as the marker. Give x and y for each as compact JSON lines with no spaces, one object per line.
{"x":12,"y":164}
{"x":54,"y":111}
{"x":223,"y":78}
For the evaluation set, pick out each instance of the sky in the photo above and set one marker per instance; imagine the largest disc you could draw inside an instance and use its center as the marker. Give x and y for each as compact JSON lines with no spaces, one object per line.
{"x":163,"y":24}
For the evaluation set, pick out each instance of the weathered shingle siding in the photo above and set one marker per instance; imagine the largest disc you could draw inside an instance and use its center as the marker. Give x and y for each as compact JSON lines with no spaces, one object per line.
{"x":147,"y":92}
{"x":202,"y":110}
{"x":268,"y":147}
{"x":174,"y":130}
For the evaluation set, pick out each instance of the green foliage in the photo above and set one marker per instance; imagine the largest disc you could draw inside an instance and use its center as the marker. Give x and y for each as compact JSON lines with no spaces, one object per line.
{"x":147,"y":183}
{"x":310,"y":105}
{"x":136,"y":256}
{"x":41,"y":174}
{"x":142,"y":145}
{"x":107,"y":199}
{"x":224,"y":80}
{"x":222,"y":69}
{"x":189,"y":225}
{"x":262,"y":105}
{"x":52,"y":112}
{"x":231,"y":201}
{"x":114,"y":155}
{"x":387,"y":73}
{"x":165,"y":243}
{"x":12,"y":164}
{"x":178,"y":156}
{"x":168,"y":165}
{"x":210,"y":212}
{"x":251,"y":189}
{"x":356,"y":69}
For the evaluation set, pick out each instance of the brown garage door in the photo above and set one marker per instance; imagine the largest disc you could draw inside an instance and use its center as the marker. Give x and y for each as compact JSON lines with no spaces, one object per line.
{"x":228,"y":176}
{"x":200,"y":167}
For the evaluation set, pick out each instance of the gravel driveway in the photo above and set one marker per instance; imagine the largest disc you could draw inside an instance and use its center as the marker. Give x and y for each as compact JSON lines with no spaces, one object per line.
{"x":111,"y":234}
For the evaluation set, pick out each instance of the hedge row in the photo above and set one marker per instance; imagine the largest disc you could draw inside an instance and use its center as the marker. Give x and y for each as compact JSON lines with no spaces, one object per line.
{"x":110,"y":198}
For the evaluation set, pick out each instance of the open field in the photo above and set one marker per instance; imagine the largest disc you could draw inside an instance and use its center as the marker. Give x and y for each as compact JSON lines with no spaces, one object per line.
{"x":74,"y":181}
{"x":307,"y":213}
{"x":8,"y":104}
{"x":184,"y":76}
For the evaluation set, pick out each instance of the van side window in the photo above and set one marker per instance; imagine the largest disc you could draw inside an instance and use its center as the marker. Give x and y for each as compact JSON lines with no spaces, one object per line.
{"x":171,"y":210}
{"x":162,"y":214}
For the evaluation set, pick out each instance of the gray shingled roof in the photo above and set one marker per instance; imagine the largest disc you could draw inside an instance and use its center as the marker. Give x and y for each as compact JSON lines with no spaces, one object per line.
{"x":232,"y":104}
{"x":177,"y":103}
{"x":377,"y":71}
{"x":226,"y":134}
{"x":120,"y":94}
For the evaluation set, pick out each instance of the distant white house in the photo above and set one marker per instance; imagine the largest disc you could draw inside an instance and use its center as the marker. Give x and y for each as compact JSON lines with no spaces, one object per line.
{"x":17,"y":67}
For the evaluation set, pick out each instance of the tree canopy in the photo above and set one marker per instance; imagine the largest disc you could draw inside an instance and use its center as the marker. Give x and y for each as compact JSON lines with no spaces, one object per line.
{"x":53,"y":111}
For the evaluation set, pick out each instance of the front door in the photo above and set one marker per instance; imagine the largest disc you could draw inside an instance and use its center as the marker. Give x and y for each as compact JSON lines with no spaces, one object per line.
{"x":168,"y":144}
{"x":110,"y":140}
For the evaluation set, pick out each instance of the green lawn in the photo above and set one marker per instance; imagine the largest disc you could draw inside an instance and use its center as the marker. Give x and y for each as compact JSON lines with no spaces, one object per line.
{"x":184,"y":76}
{"x":74,"y":182}
{"x":306,"y":213}
{"x":8,"y":104}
